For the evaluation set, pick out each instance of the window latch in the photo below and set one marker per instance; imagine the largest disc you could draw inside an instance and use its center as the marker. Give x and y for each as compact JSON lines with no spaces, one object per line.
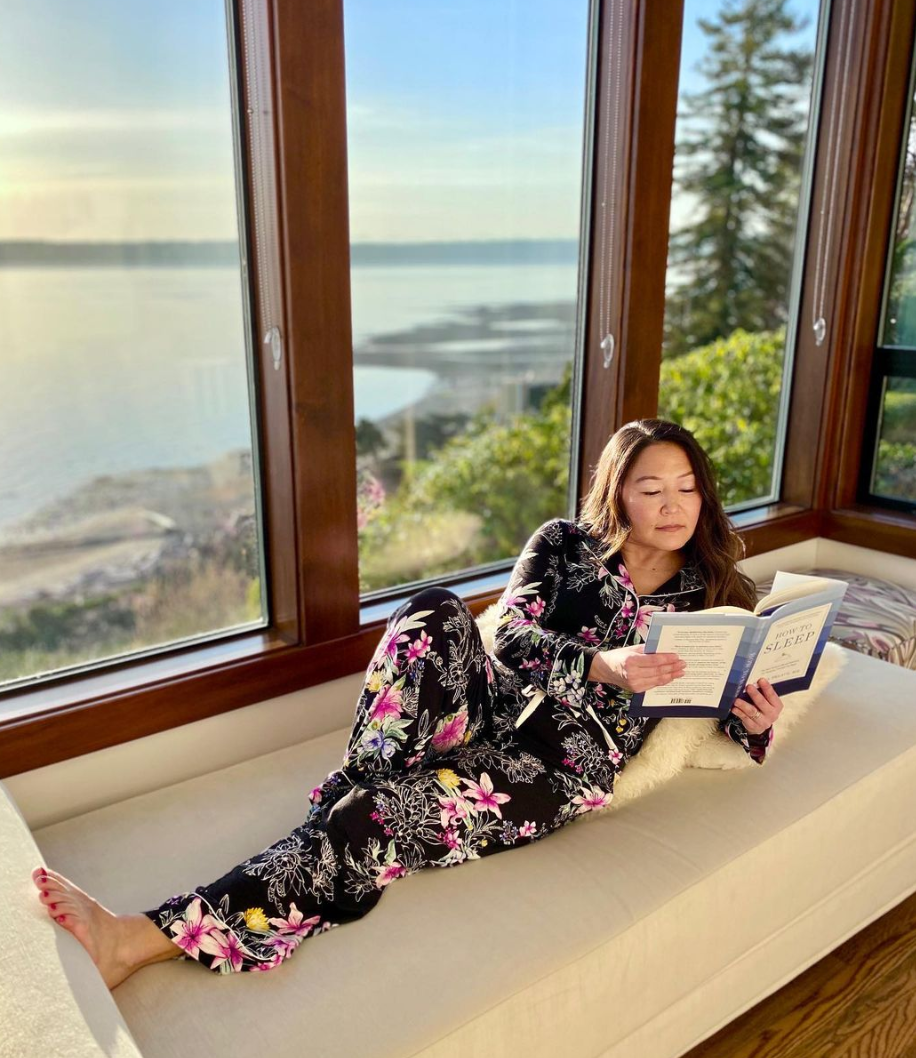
{"x":273,"y":339}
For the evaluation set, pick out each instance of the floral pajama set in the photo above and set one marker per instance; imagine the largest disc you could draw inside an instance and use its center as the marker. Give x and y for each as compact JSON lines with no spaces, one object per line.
{"x":437,"y":770}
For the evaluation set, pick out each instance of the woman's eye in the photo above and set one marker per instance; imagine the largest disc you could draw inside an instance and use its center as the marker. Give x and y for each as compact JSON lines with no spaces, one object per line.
{"x":658,"y":490}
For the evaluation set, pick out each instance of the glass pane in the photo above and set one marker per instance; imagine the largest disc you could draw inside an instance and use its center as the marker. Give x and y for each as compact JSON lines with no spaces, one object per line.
{"x":895,"y":466}
{"x":127,"y":503}
{"x":742,"y":132}
{"x":899,"y":324}
{"x":465,"y":145}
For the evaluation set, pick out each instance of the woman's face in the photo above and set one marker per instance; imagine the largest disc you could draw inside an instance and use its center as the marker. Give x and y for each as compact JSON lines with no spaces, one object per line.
{"x":660,"y":490}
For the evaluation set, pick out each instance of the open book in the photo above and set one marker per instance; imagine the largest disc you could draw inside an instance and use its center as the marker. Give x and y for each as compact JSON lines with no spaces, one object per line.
{"x":728,"y":647}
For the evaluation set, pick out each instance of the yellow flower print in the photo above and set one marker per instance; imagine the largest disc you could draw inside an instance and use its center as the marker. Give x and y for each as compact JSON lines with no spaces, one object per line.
{"x":374,"y":681}
{"x":256,"y":919}
{"x":467,"y":736}
{"x":448,"y":778}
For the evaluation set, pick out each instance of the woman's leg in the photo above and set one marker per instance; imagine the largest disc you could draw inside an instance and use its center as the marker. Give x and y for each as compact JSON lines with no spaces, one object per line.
{"x":477,"y":800}
{"x":428,"y":689}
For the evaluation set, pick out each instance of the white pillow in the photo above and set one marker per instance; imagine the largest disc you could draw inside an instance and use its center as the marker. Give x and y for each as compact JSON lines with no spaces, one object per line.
{"x":695,"y":742}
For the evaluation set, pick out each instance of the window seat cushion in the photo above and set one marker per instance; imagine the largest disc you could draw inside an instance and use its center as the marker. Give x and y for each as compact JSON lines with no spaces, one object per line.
{"x":876,"y":617}
{"x":641,"y":933}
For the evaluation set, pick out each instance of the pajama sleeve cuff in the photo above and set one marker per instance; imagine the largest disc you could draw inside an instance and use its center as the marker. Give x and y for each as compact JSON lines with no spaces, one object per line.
{"x":568,"y":677}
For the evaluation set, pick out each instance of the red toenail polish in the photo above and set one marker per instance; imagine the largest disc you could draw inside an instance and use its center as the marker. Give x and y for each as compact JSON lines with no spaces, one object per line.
{"x":54,"y":907}
{"x":44,"y":894}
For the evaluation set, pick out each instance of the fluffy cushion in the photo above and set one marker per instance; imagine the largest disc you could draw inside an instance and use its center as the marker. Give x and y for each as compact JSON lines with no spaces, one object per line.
{"x":694,"y":742}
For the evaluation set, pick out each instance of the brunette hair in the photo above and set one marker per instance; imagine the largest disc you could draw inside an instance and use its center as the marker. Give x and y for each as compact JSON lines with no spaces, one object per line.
{"x":715,"y":546}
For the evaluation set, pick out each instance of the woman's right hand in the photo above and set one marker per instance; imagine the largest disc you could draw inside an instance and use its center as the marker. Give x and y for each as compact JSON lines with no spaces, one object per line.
{"x":634,"y":670}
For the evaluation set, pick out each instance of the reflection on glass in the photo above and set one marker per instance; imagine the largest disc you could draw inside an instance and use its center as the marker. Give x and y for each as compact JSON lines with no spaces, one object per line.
{"x":900,"y":316}
{"x":127,"y":506}
{"x":895,"y":466}
{"x":744,"y":111}
{"x":465,"y":144}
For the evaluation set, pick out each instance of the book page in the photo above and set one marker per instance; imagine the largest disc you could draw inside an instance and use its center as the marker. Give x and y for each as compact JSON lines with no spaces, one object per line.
{"x":790,"y":641}
{"x":709,"y":652}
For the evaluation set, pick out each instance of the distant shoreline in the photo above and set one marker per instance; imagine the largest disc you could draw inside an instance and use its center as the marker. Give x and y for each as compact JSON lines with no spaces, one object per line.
{"x":30,"y":253}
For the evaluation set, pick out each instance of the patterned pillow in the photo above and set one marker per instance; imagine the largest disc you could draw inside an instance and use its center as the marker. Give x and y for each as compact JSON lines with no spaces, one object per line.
{"x":876,"y":617}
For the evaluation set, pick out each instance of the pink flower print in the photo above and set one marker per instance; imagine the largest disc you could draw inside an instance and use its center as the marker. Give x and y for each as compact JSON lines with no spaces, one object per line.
{"x":627,"y":609}
{"x":537,"y":607}
{"x":388,"y":648}
{"x":227,"y":948}
{"x":284,"y":944}
{"x":483,"y":794}
{"x":271,"y":964}
{"x":489,"y":667}
{"x":450,"y":838}
{"x":512,"y":600}
{"x":418,"y":647}
{"x":603,"y":572}
{"x":315,"y":795}
{"x":450,"y":731}
{"x":591,"y":798}
{"x":295,"y":923}
{"x":520,"y":622}
{"x":532,"y":663}
{"x":388,"y":703}
{"x":388,"y":872}
{"x":615,"y":755}
{"x":413,"y":760}
{"x":590,"y":635}
{"x":624,"y":577}
{"x":642,"y":619}
{"x":527,"y":829}
{"x":192,"y":930}
{"x":456,"y":807}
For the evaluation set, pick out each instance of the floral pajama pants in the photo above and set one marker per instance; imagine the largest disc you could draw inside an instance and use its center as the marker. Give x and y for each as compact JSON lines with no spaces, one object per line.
{"x":434,"y":774}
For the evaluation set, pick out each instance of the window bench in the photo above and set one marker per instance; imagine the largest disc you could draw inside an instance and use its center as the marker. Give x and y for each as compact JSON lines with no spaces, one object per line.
{"x":634,"y":936}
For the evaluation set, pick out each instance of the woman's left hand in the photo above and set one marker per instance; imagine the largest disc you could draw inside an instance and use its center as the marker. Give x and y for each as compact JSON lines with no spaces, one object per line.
{"x":762,"y":710}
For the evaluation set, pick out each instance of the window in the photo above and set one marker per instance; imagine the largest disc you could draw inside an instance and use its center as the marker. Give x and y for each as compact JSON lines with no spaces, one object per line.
{"x":743,"y":158}
{"x":128,"y":465}
{"x":889,"y":463}
{"x":465,"y":147}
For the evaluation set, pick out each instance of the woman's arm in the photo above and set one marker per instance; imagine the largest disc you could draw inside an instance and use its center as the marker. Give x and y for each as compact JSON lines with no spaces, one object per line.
{"x":554,"y":662}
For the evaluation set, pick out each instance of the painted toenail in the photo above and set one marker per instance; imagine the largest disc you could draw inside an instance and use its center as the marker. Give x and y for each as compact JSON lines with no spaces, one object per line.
{"x":44,"y":894}
{"x":54,"y":907}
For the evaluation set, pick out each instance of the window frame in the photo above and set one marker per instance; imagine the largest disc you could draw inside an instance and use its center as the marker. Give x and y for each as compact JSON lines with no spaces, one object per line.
{"x":296,"y":116}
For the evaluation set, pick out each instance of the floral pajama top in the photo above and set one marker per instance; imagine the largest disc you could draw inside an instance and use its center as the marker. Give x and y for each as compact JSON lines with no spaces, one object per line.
{"x":560,"y":607}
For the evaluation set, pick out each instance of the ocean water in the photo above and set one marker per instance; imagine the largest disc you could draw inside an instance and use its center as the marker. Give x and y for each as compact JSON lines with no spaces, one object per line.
{"x":105,"y":370}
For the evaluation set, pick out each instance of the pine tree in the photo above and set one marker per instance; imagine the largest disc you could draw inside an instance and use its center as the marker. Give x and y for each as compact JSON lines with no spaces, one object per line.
{"x":736,"y":257}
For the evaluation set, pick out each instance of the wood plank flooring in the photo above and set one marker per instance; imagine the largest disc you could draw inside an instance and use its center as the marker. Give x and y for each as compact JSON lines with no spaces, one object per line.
{"x":857,"y":1002}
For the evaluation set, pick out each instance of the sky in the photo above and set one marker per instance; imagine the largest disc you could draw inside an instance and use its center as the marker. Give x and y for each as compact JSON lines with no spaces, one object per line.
{"x":464,"y":118}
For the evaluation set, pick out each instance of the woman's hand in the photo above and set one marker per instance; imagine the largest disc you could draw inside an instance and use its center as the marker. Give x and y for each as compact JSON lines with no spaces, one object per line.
{"x":766,"y":700}
{"x":634,"y":670}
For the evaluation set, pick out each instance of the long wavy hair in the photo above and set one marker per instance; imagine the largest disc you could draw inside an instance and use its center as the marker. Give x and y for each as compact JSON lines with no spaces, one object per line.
{"x":715,"y":546}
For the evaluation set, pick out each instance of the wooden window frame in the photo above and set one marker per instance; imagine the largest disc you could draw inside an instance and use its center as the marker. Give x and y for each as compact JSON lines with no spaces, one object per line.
{"x":319,"y":631}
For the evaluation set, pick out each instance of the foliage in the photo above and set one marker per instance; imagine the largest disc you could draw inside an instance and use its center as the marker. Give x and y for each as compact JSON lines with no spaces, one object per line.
{"x":727,"y":395}
{"x":744,"y":162}
{"x":502,"y":477}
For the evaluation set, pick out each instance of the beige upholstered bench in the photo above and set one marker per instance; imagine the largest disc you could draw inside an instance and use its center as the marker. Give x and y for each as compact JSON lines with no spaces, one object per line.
{"x":635,"y":936}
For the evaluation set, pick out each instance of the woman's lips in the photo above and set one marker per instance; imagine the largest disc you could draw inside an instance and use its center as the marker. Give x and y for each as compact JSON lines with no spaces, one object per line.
{"x":670,"y":529}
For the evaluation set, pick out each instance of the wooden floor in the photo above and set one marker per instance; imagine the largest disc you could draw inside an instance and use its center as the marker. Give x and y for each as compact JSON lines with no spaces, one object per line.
{"x":860,"y":1000}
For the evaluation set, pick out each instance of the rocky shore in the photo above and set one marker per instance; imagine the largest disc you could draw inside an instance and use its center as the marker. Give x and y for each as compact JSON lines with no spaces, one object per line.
{"x":116,"y":530}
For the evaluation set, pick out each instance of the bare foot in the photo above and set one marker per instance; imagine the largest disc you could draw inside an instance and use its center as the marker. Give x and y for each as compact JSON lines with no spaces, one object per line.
{"x":117,"y":944}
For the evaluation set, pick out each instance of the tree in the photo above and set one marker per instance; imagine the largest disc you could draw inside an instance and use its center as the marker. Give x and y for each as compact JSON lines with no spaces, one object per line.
{"x":746,"y":160}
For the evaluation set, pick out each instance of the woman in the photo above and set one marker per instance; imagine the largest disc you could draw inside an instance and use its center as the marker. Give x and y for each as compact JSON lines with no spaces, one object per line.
{"x":453,"y":753}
